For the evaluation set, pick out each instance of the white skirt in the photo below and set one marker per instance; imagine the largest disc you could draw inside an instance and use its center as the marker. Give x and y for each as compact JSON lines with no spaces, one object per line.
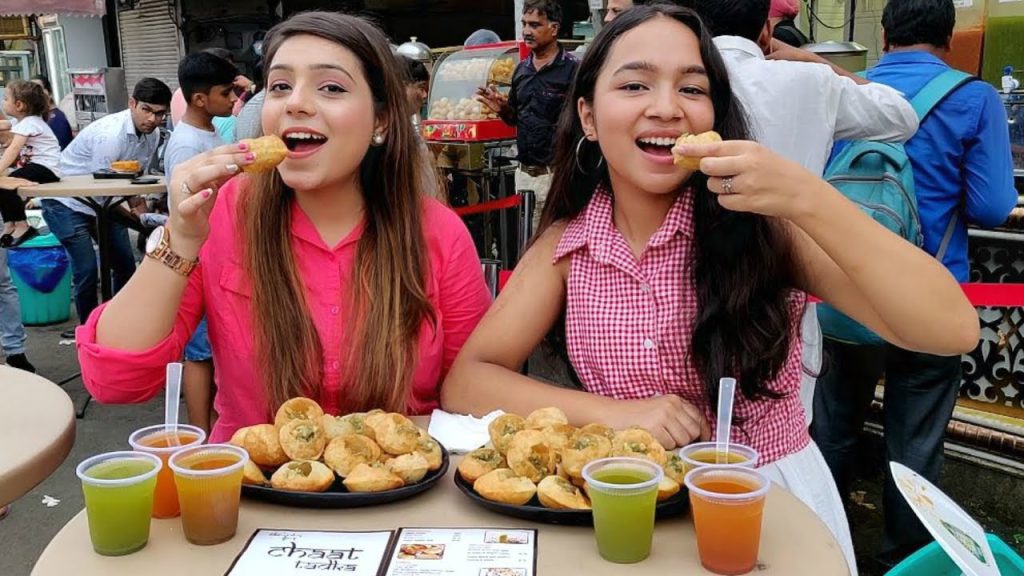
{"x":807,"y":476}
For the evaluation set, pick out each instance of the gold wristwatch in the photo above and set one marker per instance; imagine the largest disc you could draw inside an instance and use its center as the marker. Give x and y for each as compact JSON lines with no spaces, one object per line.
{"x":158,"y":247}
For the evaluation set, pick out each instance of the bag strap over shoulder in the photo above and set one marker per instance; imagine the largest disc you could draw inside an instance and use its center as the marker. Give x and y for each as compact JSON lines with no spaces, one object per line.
{"x":937,"y":89}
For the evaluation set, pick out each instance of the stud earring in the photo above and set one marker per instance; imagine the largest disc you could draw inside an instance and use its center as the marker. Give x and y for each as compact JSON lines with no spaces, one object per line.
{"x":378,"y":138}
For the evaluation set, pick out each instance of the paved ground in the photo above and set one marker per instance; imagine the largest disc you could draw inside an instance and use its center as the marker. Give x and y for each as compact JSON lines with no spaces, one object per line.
{"x":992,"y":498}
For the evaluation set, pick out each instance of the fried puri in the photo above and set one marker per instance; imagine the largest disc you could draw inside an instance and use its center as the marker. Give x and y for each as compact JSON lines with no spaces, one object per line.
{"x":558,"y":436}
{"x":303,"y":439}
{"x":503,"y":428}
{"x":503,"y":485}
{"x":262,"y":443}
{"x":335,"y":426}
{"x":599,"y":429}
{"x":667,"y":488}
{"x":675,"y":468}
{"x":298,"y":409}
{"x":693,"y":162}
{"x":558,"y":493}
{"x":411,"y":468}
{"x":252,"y":475}
{"x":431,"y":451}
{"x":303,"y":476}
{"x":638,"y":443}
{"x":346,"y":452}
{"x":395,"y":433}
{"x":543,"y":417}
{"x":372,"y":478}
{"x":480,"y":462}
{"x":582,"y":450}
{"x":269,"y":150}
{"x":530,"y":455}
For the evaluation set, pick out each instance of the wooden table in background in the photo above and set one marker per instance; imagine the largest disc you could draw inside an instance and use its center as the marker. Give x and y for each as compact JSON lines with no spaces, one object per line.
{"x":37,"y":430}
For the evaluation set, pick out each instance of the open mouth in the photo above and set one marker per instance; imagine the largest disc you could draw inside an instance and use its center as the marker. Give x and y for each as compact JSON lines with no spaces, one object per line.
{"x":303,"y":141}
{"x":660,"y":146}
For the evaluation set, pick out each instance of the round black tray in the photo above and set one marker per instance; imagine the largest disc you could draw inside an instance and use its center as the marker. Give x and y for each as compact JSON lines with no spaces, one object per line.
{"x":533,"y":510}
{"x":337,"y":496}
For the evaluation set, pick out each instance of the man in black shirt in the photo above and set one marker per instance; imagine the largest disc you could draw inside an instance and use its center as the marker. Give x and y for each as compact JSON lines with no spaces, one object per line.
{"x":540,"y":85}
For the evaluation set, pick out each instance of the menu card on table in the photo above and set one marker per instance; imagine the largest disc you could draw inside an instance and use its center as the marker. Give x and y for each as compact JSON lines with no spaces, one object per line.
{"x":412,"y":552}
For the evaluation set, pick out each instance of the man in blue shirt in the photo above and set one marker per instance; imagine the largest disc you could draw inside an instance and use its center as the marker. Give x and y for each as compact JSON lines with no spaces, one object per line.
{"x":963,"y":171}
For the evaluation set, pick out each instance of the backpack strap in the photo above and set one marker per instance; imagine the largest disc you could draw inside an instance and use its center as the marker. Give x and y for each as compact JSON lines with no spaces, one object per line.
{"x":937,"y":89}
{"x":944,"y":245}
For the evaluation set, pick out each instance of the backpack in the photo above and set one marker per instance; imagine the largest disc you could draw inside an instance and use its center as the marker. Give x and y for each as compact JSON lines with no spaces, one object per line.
{"x":879,"y":179}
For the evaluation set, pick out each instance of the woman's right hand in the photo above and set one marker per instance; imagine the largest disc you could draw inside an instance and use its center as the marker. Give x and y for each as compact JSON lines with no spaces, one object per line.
{"x":193,"y":191}
{"x":673,"y":421}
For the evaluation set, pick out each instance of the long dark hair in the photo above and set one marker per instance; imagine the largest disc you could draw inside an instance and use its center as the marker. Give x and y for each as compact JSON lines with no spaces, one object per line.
{"x":388,"y":284}
{"x":742,"y":262}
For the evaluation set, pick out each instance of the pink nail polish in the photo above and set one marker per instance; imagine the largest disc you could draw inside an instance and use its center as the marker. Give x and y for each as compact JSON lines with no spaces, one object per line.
{"x":250,"y":156}
{"x":207,"y":193}
{"x":243,"y":146}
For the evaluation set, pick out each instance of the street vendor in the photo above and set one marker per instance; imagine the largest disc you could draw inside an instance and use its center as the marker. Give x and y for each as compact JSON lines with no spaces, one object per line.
{"x":540,"y":84}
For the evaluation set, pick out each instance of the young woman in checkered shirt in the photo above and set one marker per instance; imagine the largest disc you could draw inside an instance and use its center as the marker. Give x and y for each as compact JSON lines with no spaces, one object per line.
{"x":658,"y":281}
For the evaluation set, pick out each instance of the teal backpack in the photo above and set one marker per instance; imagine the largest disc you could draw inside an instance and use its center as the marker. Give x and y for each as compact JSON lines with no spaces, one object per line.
{"x":879,"y":179}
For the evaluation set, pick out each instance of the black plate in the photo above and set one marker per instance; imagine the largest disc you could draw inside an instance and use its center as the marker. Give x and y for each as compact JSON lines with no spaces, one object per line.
{"x":532,"y":510}
{"x":337,"y":496}
{"x":108,"y":174}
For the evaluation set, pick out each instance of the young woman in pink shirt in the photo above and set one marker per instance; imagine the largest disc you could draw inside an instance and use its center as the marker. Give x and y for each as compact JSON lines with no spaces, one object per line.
{"x":332,"y":276}
{"x":657,"y":280}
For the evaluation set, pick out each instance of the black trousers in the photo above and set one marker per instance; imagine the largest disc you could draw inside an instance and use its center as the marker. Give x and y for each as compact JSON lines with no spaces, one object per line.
{"x":920,"y":394}
{"x":12,"y":208}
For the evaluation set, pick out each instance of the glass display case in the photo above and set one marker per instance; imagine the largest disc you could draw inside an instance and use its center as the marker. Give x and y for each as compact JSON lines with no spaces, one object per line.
{"x":453,"y":112}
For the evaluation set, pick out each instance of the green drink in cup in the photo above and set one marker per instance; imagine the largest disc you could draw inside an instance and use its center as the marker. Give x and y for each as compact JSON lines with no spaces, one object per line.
{"x":623,"y":494}
{"x":118,"y":489}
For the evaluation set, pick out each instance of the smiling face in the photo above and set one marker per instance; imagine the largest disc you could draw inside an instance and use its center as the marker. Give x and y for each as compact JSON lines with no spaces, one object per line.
{"x":320,"y":103}
{"x":652,"y":89}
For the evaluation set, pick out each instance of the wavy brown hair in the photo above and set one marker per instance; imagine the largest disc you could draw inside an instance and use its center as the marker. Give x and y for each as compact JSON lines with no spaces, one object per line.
{"x":388,"y":293}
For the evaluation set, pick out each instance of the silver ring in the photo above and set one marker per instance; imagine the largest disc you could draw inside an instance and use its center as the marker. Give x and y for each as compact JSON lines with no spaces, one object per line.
{"x":184,"y":188}
{"x":727,"y":185}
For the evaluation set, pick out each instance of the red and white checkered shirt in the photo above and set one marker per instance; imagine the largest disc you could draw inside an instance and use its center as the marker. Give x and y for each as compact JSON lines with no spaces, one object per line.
{"x":629,"y":322}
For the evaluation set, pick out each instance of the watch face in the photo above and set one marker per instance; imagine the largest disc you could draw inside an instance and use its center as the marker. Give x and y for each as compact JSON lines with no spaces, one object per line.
{"x":154,"y":239}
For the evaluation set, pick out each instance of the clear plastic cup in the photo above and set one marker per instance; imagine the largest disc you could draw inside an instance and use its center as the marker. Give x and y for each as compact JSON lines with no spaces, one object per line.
{"x":623,"y":494}
{"x":161,"y":441}
{"x":118,"y":489}
{"x":209,"y":481}
{"x":701,"y":454}
{"x":727,"y":504}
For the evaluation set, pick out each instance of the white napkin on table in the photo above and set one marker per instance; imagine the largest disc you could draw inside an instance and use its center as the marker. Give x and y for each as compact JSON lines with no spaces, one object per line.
{"x":461,"y":433}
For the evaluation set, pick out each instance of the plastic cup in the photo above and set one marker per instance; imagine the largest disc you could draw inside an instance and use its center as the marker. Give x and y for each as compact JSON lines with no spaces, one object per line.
{"x":118,"y":489}
{"x":209,"y":481}
{"x":623,"y":494}
{"x":727,"y":503}
{"x":161,"y":442}
{"x":702,"y":454}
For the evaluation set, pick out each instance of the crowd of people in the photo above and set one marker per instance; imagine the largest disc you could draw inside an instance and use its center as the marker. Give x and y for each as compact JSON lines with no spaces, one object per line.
{"x":340,"y":276}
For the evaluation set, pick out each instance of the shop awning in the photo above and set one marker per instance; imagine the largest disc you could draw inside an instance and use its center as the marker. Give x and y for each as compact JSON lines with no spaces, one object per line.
{"x":61,"y":7}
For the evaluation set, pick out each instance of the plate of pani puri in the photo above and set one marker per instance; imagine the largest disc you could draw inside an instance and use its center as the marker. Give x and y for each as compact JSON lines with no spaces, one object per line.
{"x":532,"y":468}
{"x":311,"y":459}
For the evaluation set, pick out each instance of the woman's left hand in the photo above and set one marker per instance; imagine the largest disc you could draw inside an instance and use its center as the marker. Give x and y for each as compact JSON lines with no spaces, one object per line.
{"x":750,"y":178}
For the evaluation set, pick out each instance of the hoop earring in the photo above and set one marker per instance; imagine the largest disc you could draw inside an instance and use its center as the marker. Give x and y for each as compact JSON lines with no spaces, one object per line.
{"x":579,"y":146}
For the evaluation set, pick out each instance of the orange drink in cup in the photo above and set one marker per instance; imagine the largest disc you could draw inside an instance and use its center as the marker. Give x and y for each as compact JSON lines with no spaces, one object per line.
{"x":727,"y":504}
{"x":162,"y":441}
{"x":209,"y":481}
{"x":701,"y":454}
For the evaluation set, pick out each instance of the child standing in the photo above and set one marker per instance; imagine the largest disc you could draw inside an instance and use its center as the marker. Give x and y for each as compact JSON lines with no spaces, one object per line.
{"x":34,"y":152}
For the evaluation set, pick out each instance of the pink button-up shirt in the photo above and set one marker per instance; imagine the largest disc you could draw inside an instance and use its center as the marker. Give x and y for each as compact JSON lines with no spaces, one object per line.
{"x":220,"y":288}
{"x":629,"y":322}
